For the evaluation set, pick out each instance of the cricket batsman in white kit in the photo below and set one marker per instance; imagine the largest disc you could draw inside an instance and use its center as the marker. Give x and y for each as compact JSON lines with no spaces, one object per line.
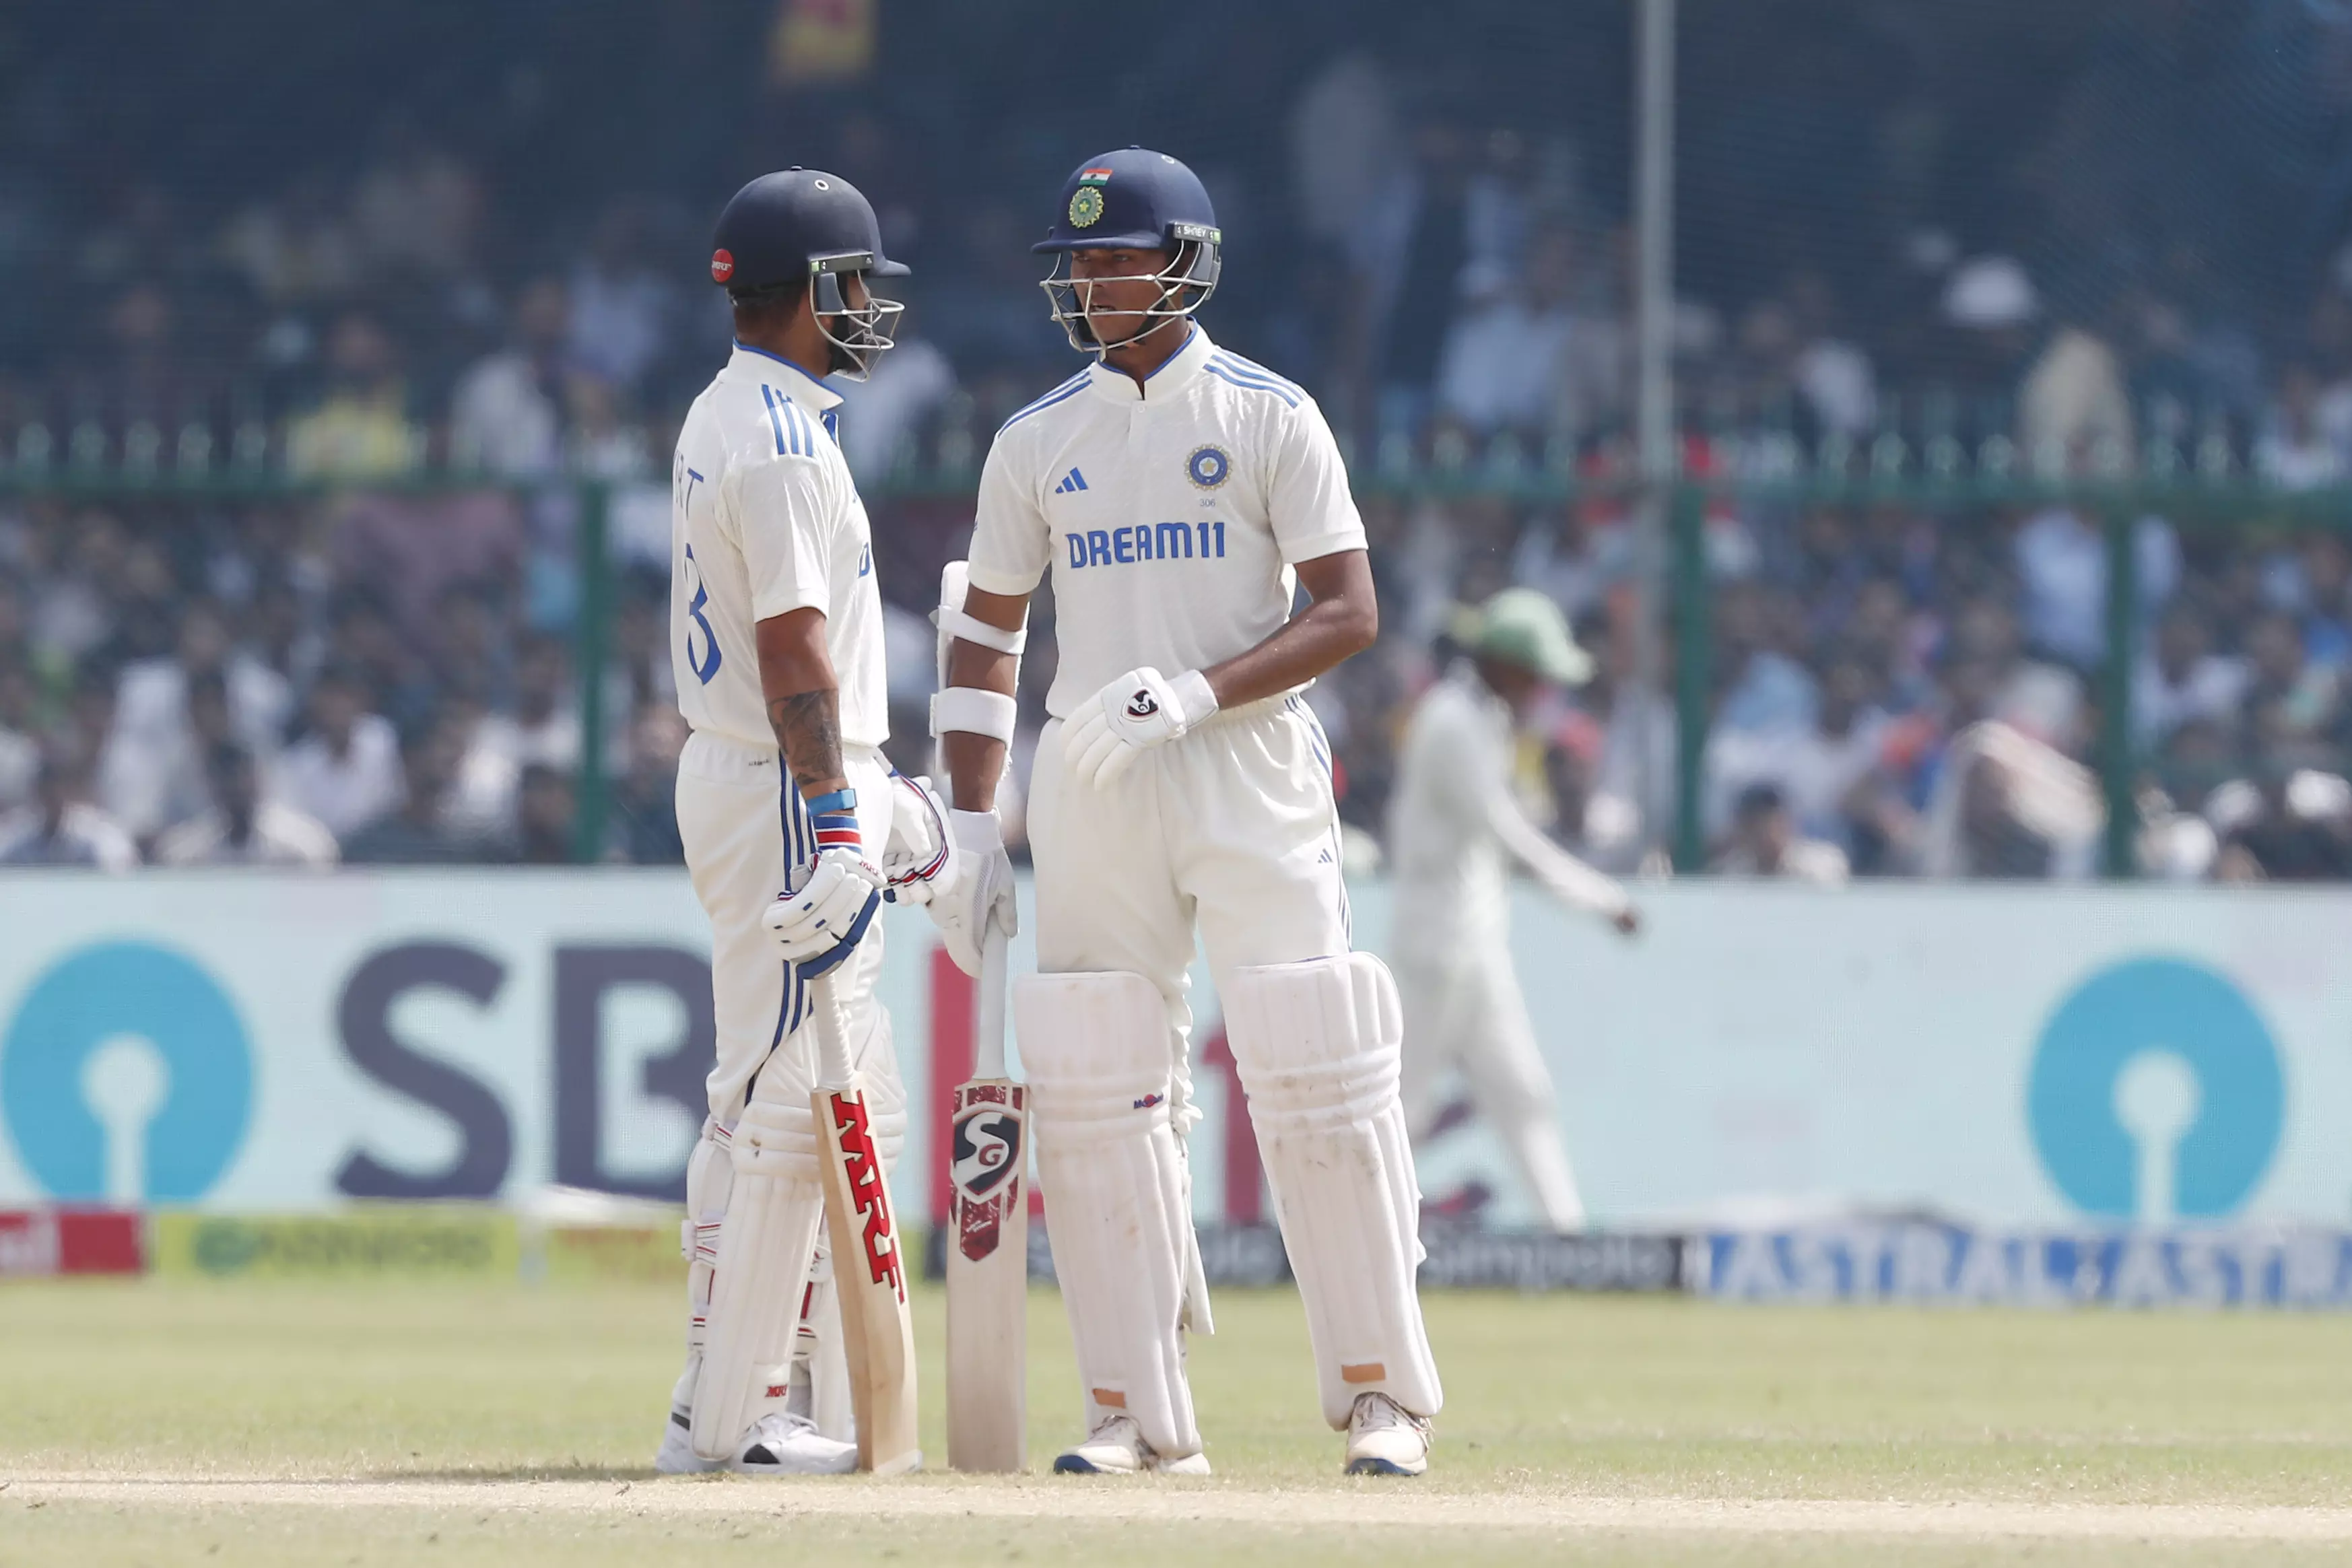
{"x":1177,"y":493}
{"x":786,"y":806}
{"x":1455,"y":825}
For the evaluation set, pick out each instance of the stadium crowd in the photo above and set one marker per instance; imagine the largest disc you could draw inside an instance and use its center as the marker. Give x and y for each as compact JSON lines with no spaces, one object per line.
{"x":380,"y":672}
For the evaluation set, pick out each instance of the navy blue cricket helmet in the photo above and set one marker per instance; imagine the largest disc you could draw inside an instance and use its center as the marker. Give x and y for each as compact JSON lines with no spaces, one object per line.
{"x":803,"y":227}
{"x":1134,"y":199}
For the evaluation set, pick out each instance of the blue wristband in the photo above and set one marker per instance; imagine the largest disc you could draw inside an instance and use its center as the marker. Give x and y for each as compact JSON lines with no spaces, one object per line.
{"x":833,"y":822}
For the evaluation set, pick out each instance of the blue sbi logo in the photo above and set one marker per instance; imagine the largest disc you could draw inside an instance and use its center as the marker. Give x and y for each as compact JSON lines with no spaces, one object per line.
{"x":2156,"y":1094}
{"x":126,"y":1077}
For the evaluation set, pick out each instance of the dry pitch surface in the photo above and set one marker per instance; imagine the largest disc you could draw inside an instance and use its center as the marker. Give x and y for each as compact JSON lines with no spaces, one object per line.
{"x":159,"y":1423}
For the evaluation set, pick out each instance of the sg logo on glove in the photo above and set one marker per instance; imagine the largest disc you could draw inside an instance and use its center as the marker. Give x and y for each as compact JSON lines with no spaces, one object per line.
{"x":1141,"y":710}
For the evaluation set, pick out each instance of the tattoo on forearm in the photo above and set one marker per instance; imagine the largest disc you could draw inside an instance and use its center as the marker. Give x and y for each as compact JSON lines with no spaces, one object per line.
{"x":808,"y":728}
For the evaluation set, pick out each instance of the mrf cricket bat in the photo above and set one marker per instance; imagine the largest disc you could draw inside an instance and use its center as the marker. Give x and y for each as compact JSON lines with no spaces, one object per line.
{"x":869,"y":1265}
{"x":988,"y":1250}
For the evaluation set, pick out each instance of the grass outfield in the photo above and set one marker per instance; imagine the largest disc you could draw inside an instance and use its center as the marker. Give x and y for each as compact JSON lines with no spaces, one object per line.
{"x":266,"y":1423}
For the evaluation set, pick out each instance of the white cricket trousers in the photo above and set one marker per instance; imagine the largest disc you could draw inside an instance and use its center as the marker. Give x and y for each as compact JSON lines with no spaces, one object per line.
{"x":741,"y":819}
{"x":1232,"y":825}
{"x":1463,"y":1012}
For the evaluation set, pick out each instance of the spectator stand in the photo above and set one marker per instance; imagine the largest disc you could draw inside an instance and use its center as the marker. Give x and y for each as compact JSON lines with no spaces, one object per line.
{"x":134,"y":470}
{"x":1726,"y":483}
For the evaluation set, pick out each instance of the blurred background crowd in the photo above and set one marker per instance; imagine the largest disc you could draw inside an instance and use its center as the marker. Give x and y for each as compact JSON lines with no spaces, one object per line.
{"x":2069,"y":237}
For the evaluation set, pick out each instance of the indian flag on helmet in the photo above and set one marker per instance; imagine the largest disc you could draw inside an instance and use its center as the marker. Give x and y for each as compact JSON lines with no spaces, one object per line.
{"x":1094,"y":176}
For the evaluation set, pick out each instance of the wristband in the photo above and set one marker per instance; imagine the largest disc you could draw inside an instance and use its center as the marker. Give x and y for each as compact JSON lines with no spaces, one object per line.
{"x":975,"y":712}
{"x":832,"y":820}
{"x":1196,"y":699}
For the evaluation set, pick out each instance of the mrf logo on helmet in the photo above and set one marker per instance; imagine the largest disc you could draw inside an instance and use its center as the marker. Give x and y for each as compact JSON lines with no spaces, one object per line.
{"x":1134,"y":199}
{"x":804,"y":228}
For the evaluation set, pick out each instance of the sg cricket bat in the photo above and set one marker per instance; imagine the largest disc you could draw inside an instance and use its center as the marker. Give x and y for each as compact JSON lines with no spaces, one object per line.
{"x":869,"y":1265}
{"x":988,"y":1250}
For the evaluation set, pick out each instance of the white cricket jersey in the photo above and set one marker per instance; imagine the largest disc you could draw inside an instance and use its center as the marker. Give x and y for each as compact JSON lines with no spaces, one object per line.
{"x":1171,"y":513}
{"x":764,"y":519}
{"x":1453,"y":821}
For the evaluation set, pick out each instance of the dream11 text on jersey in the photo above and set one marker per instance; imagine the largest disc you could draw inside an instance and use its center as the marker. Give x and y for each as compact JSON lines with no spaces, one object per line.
{"x":1144,"y":541}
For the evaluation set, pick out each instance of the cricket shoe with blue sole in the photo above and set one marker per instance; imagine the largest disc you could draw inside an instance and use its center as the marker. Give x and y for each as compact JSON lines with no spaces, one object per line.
{"x":1116,"y":1448}
{"x":777,"y":1445}
{"x":1384,"y":1438}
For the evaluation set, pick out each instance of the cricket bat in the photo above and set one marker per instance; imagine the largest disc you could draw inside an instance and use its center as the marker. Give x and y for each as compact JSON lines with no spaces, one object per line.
{"x":869,"y":1271}
{"x":988,"y":1250}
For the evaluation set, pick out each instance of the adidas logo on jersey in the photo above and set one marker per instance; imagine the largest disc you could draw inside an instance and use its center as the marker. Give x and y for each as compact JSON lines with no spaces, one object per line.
{"x":1072,"y":483}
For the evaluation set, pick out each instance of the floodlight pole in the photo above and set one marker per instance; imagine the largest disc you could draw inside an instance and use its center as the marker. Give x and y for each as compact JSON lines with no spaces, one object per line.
{"x":1654,"y":297}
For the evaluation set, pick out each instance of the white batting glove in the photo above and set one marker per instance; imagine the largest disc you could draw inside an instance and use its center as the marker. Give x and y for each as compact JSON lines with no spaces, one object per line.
{"x":1141,"y":710}
{"x":921,"y":857}
{"x":819,"y":919}
{"x":981,"y":896}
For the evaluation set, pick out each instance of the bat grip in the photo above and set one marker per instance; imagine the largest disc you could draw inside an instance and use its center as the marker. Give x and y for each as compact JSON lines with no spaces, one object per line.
{"x":989,"y":1062}
{"x":833,"y":1065}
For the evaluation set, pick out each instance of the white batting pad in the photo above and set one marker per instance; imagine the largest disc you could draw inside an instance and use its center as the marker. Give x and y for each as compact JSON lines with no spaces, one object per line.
{"x":1095,"y":1049}
{"x":709,"y":1178}
{"x":821,"y":1357}
{"x":812,"y":1365}
{"x":1319,"y":1045}
{"x":758,"y":1271}
{"x":876,"y":1056}
{"x":781,"y":1098}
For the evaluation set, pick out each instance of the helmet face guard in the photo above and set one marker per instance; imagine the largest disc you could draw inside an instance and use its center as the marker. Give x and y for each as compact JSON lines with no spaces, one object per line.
{"x":867,"y":331}
{"x":1184,"y":284}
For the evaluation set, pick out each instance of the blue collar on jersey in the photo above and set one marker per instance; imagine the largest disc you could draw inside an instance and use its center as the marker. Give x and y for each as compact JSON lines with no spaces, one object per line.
{"x":1174,"y":371}
{"x":804,"y":388}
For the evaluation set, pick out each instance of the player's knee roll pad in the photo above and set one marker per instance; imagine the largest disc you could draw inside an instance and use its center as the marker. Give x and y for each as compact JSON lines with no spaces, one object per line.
{"x":788,"y":1139}
{"x":1095,"y":1046}
{"x":758,"y":1271}
{"x":1318,"y":1046}
{"x":877,"y":1057}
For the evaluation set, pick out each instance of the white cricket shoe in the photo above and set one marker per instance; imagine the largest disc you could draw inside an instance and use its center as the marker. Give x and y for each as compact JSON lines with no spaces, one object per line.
{"x":777,"y":1445}
{"x":677,"y":1457}
{"x":1386,"y":1439}
{"x":787,"y":1445}
{"x":1116,"y":1448}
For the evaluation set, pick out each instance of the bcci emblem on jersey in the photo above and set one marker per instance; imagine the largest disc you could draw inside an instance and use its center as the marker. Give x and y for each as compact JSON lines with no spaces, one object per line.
{"x":1086,"y":207}
{"x":1208,"y":466}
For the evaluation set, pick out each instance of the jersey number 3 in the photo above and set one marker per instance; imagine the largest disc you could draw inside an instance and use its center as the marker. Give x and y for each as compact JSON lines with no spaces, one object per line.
{"x":705,"y":664}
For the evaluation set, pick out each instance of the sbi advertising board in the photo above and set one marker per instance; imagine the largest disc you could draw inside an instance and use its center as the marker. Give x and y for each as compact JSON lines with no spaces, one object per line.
{"x":2013,"y":1057}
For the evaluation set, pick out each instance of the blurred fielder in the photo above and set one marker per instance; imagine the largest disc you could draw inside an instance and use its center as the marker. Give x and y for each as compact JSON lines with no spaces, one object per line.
{"x":1452,"y":820}
{"x":784,"y":803}
{"x":1179,"y":494}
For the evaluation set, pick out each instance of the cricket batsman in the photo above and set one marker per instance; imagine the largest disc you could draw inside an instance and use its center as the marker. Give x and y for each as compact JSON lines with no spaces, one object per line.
{"x":1179,"y":494}
{"x":786,"y":808}
{"x":1452,"y":820}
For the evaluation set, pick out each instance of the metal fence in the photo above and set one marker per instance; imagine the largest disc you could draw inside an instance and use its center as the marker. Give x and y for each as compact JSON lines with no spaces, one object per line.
{"x":2199,"y":493}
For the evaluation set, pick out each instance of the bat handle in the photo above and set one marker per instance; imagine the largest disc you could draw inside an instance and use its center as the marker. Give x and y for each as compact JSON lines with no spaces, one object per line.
{"x":990,"y":1059}
{"x":833,"y":1064}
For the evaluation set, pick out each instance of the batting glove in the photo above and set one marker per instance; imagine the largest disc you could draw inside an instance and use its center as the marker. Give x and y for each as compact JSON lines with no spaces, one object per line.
{"x":981,"y":896}
{"x":1141,"y":710}
{"x":820,"y":922}
{"x":922,"y":856}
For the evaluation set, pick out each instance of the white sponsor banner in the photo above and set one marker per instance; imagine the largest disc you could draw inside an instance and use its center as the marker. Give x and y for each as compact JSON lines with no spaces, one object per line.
{"x":268,"y":1042}
{"x":2020,"y":1056}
